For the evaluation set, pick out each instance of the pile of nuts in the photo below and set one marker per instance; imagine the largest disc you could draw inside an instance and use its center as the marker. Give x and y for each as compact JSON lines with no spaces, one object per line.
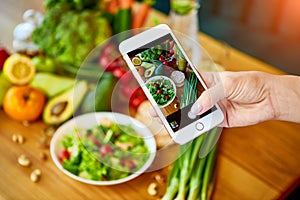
{"x":24,"y":160}
{"x":18,"y":138}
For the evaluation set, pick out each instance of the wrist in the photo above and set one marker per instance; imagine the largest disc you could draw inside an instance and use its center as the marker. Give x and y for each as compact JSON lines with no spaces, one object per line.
{"x":285,"y":97}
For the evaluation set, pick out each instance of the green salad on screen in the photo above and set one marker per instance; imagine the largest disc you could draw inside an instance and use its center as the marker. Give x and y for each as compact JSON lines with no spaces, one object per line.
{"x":108,"y":151}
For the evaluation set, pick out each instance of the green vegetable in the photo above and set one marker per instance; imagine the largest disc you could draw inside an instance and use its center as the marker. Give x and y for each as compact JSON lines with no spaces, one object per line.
{"x":51,"y":84}
{"x":122,"y":21}
{"x":74,"y":4}
{"x":190,"y":91}
{"x":99,"y":98}
{"x":153,"y":53}
{"x":192,"y":174}
{"x":69,"y":34}
{"x":182,"y":7}
{"x":96,"y":153}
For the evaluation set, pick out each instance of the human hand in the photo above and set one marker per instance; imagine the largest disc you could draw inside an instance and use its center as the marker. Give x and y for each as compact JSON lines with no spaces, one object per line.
{"x":247,"y":98}
{"x":244,"y":97}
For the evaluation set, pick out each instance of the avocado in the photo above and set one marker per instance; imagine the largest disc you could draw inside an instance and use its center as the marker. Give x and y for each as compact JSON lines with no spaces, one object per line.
{"x":61,"y":107}
{"x":147,"y":65}
{"x":149,"y":72}
{"x":51,"y":84}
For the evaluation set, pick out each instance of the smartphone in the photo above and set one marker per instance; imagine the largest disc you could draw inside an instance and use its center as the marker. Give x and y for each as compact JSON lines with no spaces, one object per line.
{"x":170,"y":82}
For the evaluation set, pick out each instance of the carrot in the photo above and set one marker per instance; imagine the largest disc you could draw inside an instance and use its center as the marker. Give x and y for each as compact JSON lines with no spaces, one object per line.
{"x":140,"y":15}
{"x":112,"y":6}
{"x":125,"y":4}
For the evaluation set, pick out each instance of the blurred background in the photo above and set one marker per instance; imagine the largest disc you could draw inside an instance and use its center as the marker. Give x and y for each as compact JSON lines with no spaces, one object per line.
{"x":268,"y":30}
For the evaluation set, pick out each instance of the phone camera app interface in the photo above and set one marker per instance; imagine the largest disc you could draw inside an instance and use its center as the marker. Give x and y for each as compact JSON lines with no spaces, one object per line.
{"x":169,"y":78}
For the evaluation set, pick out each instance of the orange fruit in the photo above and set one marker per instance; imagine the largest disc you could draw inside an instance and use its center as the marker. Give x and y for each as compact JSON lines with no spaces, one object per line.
{"x":24,"y":103}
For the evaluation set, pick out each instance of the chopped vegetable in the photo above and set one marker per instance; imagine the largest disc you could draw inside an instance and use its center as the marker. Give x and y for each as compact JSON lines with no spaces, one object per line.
{"x":99,"y":154}
{"x":162,"y":90}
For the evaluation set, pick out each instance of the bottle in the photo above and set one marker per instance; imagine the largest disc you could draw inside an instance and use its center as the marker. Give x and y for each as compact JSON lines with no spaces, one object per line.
{"x":183,"y":20}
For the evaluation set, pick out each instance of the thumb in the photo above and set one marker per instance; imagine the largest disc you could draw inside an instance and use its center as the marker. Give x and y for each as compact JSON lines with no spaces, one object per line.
{"x":208,"y":99}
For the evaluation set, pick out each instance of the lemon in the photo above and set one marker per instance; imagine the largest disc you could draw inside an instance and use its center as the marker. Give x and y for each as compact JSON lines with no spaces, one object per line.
{"x":19,"y":69}
{"x":136,"y":61}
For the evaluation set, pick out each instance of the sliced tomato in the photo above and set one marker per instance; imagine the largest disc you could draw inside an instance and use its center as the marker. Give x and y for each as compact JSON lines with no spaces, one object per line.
{"x":64,"y":154}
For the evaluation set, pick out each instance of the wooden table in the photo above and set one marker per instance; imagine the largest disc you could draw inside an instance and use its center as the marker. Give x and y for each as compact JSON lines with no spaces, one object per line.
{"x":255,"y":162}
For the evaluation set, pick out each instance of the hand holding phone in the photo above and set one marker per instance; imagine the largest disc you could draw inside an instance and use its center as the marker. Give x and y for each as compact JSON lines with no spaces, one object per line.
{"x":170,"y":82}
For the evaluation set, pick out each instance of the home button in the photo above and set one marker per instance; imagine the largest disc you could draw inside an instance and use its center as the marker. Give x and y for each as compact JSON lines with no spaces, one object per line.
{"x":199,"y":126}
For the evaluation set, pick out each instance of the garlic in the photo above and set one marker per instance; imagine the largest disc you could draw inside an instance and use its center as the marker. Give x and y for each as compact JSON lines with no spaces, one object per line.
{"x":32,"y":16}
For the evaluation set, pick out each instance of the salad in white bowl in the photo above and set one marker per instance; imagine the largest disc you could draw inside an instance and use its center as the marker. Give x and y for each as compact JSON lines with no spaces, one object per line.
{"x":103,"y":148}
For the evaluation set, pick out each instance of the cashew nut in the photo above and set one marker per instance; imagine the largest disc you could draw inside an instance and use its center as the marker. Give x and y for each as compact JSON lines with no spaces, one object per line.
{"x":18,"y":138}
{"x":152,"y":189}
{"x":35,"y":175}
{"x":23,"y":160}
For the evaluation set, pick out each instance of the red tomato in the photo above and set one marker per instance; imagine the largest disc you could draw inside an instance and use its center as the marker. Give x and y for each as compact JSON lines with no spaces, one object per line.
{"x":137,"y":98}
{"x":105,"y":149}
{"x":128,"y":162}
{"x":136,"y":102}
{"x":118,"y":72}
{"x":64,"y":154}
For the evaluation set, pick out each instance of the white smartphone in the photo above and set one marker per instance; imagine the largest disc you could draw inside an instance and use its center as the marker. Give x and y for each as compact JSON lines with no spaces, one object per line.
{"x":170,"y":82}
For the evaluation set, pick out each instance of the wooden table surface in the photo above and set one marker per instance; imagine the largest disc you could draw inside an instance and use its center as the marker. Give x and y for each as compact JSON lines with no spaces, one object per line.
{"x":255,"y":162}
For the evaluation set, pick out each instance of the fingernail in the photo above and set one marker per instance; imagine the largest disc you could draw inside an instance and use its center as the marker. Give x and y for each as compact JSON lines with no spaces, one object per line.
{"x":196,"y":108}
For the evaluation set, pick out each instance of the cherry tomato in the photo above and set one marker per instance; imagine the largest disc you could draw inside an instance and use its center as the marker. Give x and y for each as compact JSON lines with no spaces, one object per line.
{"x":64,"y":154}
{"x":105,"y":150}
{"x":137,"y":98}
{"x":159,"y":92}
{"x":136,"y":102}
{"x":127,"y":79}
{"x":118,"y":72}
{"x":127,"y":90}
{"x":110,"y":47}
{"x":129,"y":163}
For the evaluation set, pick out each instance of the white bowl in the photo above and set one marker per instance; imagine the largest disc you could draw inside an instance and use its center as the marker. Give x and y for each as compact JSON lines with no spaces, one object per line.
{"x":173,"y":84}
{"x":89,"y":120}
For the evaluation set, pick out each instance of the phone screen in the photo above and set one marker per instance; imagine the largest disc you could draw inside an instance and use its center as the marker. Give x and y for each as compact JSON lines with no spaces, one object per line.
{"x":170,"y":80}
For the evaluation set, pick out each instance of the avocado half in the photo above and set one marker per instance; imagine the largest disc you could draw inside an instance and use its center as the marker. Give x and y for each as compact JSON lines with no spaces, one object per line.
{"x":61,"y":107}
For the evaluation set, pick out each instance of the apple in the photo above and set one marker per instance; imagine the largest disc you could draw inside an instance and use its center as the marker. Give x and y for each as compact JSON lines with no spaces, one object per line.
{"x":3,"y":56}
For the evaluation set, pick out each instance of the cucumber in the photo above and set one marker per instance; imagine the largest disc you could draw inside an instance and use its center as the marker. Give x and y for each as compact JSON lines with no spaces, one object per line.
{"x":99,"y":98}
